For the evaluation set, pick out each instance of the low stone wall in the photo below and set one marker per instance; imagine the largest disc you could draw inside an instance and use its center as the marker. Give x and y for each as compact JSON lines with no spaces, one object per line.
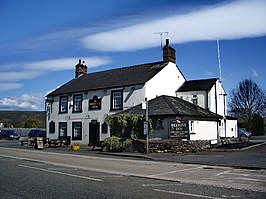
{"x":172,"y":146}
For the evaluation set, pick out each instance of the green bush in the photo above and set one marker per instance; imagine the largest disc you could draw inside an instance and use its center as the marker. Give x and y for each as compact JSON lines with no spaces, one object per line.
{"x":116,"y":144}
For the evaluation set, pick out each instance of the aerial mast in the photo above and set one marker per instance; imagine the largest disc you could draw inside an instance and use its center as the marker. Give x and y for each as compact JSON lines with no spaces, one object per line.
{"x":161,"y":37}
{"x":219,"y":59}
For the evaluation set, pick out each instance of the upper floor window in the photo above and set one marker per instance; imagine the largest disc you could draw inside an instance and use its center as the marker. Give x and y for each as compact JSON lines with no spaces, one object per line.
{"x":63,"y":104}
{"x":77,"y":103}
{"x":195,"y":99}
{"x":117,"y":100}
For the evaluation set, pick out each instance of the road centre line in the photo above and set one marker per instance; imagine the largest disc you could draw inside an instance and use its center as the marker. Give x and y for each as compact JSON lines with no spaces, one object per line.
{"x":187,"y":194}
{"x":175,"y":171}
{"x":161,"y":185}
{"x":61,"y":173}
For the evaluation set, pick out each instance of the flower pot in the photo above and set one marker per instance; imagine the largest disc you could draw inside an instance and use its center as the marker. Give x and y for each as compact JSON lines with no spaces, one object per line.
{"x":75,"y":147}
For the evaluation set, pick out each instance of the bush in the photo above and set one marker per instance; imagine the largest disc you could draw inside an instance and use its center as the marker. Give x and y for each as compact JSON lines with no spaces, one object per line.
{"x":116,"y":144}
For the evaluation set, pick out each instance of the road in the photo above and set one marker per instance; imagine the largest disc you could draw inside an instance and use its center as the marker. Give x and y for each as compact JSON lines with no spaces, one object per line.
{"x":22,"y":178}
{"x":127,"y":178}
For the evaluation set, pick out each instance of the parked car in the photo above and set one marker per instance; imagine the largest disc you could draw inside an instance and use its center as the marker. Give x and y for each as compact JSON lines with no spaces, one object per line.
{"x":9,"y":134}
{"x":37,"y":133}
{"x":243,"y":134}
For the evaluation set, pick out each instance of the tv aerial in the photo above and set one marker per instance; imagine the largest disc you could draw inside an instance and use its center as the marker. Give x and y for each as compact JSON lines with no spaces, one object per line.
{"x":161,"y":37}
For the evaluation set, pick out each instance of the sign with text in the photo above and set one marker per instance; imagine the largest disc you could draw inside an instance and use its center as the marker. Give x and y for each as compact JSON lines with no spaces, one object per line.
{"x":179,"y":129}
{"x":95,"y":103}
{"x":145,"y":128}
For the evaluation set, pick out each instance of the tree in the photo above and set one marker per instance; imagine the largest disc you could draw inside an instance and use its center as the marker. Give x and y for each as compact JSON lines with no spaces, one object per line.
{"x":31,"y":123}
{"x":248,"y":102}
{"x":131,"y":126}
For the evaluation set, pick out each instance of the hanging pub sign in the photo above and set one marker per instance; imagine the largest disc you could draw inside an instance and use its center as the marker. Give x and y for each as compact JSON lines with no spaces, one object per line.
{"x":95,"y":103}
{"x":179,"y":129}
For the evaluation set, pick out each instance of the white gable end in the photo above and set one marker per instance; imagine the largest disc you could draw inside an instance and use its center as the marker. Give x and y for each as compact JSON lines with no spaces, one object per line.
{"x":166,"y":82}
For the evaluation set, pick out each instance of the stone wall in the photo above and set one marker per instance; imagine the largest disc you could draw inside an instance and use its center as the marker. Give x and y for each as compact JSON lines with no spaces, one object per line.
{"x":172,"y":146}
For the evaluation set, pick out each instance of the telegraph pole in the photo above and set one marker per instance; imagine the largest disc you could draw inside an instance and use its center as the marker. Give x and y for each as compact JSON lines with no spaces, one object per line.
{"x":147,"y":120}
{"x":146,"y":124}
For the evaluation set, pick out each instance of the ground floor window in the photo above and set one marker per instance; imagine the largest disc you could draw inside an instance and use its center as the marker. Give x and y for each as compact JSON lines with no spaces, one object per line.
{"x":52,"y":127}
{"x":62,"y":129}
{"x":76,"y":131}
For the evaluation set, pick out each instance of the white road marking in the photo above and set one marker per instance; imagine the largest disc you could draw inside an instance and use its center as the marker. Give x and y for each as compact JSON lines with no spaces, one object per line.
{"x":222,"y":173}
{"x":175,"y":171}
{"x":161,"y":185}
{"x":61,"y":173}
{"x":187,"y":194}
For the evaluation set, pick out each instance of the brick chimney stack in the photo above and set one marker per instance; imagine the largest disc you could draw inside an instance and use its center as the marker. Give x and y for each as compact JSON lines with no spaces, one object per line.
{"x":169,"y":52}
{"x":81,"y":68}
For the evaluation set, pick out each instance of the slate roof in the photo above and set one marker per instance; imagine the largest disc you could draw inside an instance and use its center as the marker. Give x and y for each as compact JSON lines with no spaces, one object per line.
{"x":173,"y":106}
{"x":127,"y":76}
{"x":197,"y":85}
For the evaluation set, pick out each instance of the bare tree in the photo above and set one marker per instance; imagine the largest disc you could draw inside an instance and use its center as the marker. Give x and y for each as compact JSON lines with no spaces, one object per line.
{"x":248,"y":101}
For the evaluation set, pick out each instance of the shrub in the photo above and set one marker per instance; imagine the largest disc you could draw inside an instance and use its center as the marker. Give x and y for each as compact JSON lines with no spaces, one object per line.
{"x":116,"y":144}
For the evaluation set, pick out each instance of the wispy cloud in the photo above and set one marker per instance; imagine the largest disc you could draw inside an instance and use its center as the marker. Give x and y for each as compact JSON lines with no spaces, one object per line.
{"x":17,"y":76}
{"x":30,"y":70}
{"x":67,"y":63}
{"x":10,"y":86}
{"x":24,"y":102}
{"x":235,"y":20}
{"x":254,"y":73}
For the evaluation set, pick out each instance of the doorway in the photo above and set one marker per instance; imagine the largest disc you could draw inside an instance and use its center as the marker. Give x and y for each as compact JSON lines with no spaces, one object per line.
{"x":94,"y":132}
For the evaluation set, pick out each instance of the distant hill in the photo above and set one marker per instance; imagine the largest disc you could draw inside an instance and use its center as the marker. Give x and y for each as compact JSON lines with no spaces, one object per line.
{"x":18,"y":118}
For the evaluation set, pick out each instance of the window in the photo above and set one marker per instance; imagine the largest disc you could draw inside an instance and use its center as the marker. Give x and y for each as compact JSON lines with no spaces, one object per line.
{"x":63,"y":104}
{"x":52,"y":127}
{"x":104,"y":128}
{"x":117,"y":100}
{"x":62,"y":129}
{"x":195,"y":99}
{"x":77,"y":103}
{"x":76,"y":131}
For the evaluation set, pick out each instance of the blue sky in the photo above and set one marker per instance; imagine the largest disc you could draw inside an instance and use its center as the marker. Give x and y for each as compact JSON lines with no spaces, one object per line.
{"x":41,"y":41}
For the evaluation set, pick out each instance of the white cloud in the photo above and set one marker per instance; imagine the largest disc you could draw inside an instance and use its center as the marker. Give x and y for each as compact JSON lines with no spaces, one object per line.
{"x":66,"y":63}
{"x":254,"y":73}
{"x":10,"y":86}
{"x":24,"y":102}
{"x":9,"y":79}
{"x":18,"y":75}
{"x":235,"y":20}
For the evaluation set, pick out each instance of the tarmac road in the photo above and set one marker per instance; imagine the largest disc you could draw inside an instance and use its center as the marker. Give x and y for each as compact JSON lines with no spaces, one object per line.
{"x":247,"y":179}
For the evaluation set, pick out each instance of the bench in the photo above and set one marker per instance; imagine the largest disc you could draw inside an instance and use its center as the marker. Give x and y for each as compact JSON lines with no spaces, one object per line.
{"x":59,"y":141}
{"x":95,"y":144}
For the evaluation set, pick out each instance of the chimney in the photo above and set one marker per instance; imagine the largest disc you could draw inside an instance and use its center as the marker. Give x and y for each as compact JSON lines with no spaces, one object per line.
{"x":81,"y":68}
{"x":168,"y":52}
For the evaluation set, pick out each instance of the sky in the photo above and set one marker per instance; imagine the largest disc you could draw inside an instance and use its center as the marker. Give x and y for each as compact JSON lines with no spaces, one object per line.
{"x":42,"y":41}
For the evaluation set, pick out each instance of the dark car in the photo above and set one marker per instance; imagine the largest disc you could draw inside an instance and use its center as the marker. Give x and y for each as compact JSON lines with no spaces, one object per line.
{"x":9,"y":134}
{"x":37,"y":133}
{"x":243,"y":134}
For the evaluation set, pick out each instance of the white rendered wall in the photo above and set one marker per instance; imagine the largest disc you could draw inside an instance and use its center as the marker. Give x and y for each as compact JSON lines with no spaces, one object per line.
{"x":166,"y":82}
{"x":203,"y":130}
{"x":187,"y":96}
{"x":132,"y":95}
{"x":231,"y":128}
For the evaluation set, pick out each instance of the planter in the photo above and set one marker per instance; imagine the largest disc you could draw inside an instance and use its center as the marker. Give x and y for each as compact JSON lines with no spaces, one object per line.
{"x":75,"y":147}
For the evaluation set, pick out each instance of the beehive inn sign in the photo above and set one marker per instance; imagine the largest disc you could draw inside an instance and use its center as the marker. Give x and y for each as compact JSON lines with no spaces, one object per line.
{"x":179,"y":129}
{"x":95,"y":103}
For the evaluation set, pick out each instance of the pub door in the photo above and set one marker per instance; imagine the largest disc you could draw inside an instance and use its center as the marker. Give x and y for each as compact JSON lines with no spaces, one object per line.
{"x":94,"y":132}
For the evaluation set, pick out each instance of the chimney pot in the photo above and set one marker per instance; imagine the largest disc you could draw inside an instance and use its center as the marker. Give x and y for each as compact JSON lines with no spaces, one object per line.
{"x":81,"y":68}
{"x":169,"y":52}
{"x":167,"y":42}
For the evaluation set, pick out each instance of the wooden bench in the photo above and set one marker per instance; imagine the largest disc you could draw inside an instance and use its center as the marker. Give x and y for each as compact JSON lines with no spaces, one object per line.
{"x":59,"y":141}
{"x":96,"y":144}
